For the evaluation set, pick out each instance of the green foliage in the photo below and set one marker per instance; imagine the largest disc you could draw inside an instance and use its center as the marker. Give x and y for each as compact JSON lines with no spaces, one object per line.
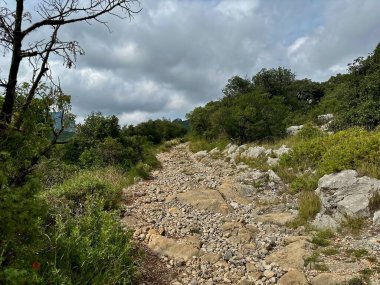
{"x":236,"y":86}
{"x":330,"y":251}
{"x":157,"y":131}
{"x":198,"y":144}
{"x":355,"y":281}
{"x":347,"y":149}
{"x":309,"y":205}
{"x":274,"y":81}
{"x":358,"y":253}
{"x":360,"y":100}
{"x":90,"y":184}
{"x":303,"y":183}
{"x":90,"y":248}
{"x":22,"y":214}
{"x":53,"y":172}
{"x":247,"y":117}
{"x":374,"y":202}
{"x":321,"y":238}
{"x":354,"y":225}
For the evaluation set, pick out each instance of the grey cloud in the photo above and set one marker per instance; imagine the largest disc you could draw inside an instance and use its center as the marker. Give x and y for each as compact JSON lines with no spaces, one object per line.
{"x":177,"y":54}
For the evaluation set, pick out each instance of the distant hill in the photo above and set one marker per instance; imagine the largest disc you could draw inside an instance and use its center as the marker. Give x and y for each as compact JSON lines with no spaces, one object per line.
{"x":184,"y":123}
{"x":69,"y":130}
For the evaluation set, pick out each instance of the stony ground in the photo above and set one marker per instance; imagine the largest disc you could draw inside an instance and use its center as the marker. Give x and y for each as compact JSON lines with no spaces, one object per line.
{"x":213,"y":222}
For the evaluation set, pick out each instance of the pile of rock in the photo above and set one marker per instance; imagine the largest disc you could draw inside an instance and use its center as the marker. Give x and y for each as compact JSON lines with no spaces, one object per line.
{"x":346,"y":194}
{"x":216,"y":222}
{"x":234,"y":152}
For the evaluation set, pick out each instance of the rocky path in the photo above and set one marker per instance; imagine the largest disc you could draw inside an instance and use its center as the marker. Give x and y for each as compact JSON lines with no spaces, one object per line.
{"x":214,"y":222}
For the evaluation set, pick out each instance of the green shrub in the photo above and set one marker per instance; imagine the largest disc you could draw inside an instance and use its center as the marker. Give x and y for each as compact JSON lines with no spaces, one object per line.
{"x":374,"y":202}
{"x":104,"y":183}
{"x":358,"y":253}
{"x":322,"y":237}
{"x":54,"y":172}
{"x":91,"y":248}
{"x":353,"y":224}
{"x":330,"y":251}
{"x":309,"y":205}
{"x":197,"y":144}
{"x":355,"y":281}
{"x":304,"y":183}
{"x":22,"y":215}
{"x":350,"y":149}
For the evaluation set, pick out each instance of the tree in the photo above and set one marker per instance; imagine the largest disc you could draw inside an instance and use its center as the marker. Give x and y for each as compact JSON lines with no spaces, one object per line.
{"x":27,"y":129}
{"x":51,"y":16}
{"x":274,"y":81}
{"x":237,"y":85}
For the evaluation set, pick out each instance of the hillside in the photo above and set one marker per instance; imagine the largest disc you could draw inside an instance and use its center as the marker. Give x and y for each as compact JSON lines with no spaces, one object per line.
{"x":215,"y":220}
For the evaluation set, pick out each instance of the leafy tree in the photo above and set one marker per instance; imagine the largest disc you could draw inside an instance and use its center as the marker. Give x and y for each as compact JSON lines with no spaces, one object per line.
{"x":274,"y":81}
{"x":236,"y":86}
{"x":360,"y":94}
{"x":156,"y":131}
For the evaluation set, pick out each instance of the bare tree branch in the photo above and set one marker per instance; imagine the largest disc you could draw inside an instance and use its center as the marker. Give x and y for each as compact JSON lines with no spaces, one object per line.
{"x":53,"y":13}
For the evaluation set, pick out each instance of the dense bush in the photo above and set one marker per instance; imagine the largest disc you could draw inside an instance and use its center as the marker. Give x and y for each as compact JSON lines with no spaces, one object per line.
{"x":349,"y":149}
{"x":256,"y":110}
{"x":157,"y":131}
{"x":70,"y":234}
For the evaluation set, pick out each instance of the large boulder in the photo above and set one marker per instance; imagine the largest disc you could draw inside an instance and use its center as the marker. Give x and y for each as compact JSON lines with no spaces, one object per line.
{"x":200,"y":154}
{"x":293,"y":130}
{"x":281,"y":151}
{"x":330,"y":279}
{"x":253,"y":152}
{"x":325,"y":118}
{"x":235,"y":192}
{"x":183,"y":249}
{"x":345,"y":193}
{"x":293,"y":277}
{"x":323,"y":221}
{"x":291,"y":256}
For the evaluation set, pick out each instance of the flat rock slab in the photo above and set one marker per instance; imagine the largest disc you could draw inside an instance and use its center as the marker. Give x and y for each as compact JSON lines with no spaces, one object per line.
{"x":276,"y":218}
{"x":204,"y":199}
{"x":291,"y":256}
{"x":183,"y":249}
{"x":234,"y":193}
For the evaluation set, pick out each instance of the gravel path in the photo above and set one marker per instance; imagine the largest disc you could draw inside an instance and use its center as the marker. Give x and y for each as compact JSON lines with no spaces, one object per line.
{"x":214,"y":222}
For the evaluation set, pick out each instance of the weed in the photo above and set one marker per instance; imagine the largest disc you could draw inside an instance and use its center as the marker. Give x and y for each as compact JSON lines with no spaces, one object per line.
{"x":330,"y":251}
{"x":355,"y":281}
{"x":309,"y":205}
{"x":358,"y":253}
{"x":321,"y":267}
{"x":374,"y":202}
{"x":321,"y":238}
{"x":304,"y":183}
{"x":353,"y":224}
{"x":312,"y":258}
{"x":372,"y":259}
{"x":256,"y":163}
{"x":167,"y":145}
{"x":197,"y":144}
{"x":366,"y":274}
{"x":369,"y":168}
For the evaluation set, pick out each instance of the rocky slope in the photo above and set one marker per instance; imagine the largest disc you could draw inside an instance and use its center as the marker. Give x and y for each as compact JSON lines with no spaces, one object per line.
{"x":215,"y":222}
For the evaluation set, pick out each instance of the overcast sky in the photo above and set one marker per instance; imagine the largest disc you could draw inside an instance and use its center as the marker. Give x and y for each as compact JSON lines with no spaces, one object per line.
{"x":178,"y":54}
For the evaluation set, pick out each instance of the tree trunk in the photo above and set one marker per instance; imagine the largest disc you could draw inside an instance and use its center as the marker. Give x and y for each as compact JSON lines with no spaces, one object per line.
{"x":10,"y":91}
